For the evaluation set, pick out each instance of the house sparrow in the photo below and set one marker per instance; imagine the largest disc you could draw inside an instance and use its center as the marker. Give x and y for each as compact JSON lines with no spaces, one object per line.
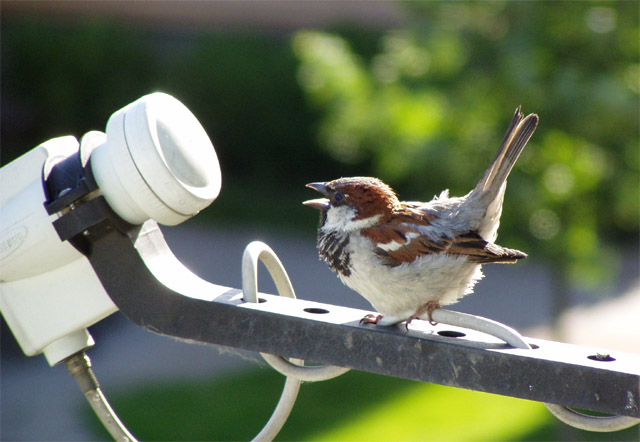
{"x":410,"y":258}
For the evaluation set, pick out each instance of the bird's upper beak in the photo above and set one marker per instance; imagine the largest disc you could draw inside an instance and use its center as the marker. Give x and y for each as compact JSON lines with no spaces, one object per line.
{"x":320,"y":203}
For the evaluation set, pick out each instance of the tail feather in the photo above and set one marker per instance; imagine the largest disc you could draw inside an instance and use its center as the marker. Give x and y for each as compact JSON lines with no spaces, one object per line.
{"x":518,"y":134}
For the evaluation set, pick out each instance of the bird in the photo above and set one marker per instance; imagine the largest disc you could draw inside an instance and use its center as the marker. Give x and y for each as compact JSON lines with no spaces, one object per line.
{"x":409,"y":258}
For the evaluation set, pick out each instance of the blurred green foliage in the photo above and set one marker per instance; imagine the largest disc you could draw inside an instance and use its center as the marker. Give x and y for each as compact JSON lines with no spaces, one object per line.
{"x":423,"y":107}
{"x":68,"y":77}
{"x":428,"y":108}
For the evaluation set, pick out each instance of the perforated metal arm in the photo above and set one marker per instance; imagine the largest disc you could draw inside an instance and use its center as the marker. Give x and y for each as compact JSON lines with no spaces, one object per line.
{"x":154,"y":290}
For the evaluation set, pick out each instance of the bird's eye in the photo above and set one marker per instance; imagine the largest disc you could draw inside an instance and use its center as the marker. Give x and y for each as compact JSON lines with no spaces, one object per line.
{"x":338,"y":197}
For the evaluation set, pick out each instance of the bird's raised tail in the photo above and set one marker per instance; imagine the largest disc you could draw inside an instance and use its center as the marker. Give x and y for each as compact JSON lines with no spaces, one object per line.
{"x":517,"y":136}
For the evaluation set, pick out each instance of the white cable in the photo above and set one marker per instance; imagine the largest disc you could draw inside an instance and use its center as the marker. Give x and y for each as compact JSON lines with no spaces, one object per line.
{"x":591,"y":423}
{"x":513,"y":338}
{"x":293,"y":369}
{"x":255,"y":251}
{"x":478,"y":323}
{"x":79,"y":366}
{"x":260,"y":251}
{"x":306,"y":374}
{"x":281,"y":412}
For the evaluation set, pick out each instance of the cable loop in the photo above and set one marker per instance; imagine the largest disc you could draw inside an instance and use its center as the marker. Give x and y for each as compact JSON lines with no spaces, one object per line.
{"x":293,"y":369}
{"x":513,"y":338}
{"x":306,"y":374}
{"x":255,"y":251}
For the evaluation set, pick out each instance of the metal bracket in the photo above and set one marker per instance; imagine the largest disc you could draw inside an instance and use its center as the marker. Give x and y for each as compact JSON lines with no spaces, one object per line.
{"x":154,"y":290}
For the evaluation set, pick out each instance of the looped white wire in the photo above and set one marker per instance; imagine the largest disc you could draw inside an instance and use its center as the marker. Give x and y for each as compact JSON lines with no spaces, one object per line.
{"x":603,"y":424}
{"x":307,"y":374}
{"x":255,"y":251}
{"x":258,"y":250}
{"x":513,"y":338}
{"x":281,"y":412}
{"x":293,"y":369}
{"x":478,"y":323}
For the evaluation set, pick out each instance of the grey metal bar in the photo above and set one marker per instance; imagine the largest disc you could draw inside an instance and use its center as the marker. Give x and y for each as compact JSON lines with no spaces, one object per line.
{"x":153,"y":289}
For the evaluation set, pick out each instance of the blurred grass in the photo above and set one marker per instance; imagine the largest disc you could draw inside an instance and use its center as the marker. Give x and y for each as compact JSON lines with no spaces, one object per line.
{"x":354,"y":407}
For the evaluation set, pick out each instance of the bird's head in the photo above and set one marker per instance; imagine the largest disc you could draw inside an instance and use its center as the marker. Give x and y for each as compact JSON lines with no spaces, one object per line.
{"x":353,"y":203}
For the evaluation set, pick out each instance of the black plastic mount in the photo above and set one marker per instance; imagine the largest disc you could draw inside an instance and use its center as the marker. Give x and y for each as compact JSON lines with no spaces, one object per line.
{"x":71,"y":190}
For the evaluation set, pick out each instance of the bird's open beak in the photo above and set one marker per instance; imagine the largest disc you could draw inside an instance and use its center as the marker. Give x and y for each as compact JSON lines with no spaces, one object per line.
{"x":320,"y":187}
{"x":320,"y":203}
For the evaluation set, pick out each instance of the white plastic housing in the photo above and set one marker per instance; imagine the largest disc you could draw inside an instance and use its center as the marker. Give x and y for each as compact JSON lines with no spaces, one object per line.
{"x":157,"y":163}
{"x":49,"y":292}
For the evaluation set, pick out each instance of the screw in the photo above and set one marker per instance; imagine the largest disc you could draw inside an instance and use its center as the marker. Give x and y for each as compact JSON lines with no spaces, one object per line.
{"x":64,"y":191}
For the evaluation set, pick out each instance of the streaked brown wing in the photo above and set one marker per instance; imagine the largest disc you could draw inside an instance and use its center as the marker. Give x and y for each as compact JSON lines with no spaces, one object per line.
{"x":478,"y":250}
{"x":402,"y":243}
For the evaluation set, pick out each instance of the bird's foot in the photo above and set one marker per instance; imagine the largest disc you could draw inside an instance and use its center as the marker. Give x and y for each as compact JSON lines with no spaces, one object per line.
{"x":371,"y":319}
{"x":382,"y":320}
{"x":428,"y":308}
{"x":408,"y":321}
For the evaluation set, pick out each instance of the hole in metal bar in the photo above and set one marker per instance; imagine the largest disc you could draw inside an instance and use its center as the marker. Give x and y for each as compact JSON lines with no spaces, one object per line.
{"x":452,"y":334}
{"x":319,"y":311}
{"x":261,"y":300}
{"x":534,"y":346}
{"x":601,"y":357}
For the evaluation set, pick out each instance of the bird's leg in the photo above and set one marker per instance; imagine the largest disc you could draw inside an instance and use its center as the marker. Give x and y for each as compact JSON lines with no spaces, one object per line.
{"x":428,"y":308}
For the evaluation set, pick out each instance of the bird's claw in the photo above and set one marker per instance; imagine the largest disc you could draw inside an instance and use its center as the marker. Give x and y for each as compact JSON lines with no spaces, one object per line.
{"x":428,"y":308}
{"x":371,"y":319}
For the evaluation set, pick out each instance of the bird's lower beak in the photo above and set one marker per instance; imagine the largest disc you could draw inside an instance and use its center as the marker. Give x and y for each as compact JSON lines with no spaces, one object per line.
{"x":320,"y":203}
